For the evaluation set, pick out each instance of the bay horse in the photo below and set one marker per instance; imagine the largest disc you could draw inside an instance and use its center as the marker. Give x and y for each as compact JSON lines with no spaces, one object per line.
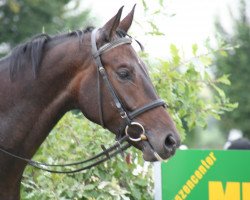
{"x":96,"y":71}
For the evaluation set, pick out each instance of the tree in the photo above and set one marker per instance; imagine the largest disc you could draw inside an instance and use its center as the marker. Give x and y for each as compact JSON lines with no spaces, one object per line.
{"x":236,"y":63}
{"x":24,"y":18}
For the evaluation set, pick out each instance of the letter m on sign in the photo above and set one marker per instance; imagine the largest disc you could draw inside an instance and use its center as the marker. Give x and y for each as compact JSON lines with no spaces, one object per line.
{"x":231,"y":192}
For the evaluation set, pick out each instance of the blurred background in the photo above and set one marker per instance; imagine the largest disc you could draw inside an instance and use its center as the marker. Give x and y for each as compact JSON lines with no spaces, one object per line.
{"x":198,"y":57}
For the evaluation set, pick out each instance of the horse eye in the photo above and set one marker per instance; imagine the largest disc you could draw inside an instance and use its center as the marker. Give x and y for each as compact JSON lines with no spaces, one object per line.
{"x":124,"y":75}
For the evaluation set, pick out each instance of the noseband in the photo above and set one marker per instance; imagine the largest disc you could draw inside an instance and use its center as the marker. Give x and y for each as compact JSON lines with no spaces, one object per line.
{"x":128,"y":117}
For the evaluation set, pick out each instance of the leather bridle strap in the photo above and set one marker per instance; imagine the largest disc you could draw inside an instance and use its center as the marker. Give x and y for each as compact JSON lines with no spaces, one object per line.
{"x":103,"y":156}
{"x":153,"y":104}
{"x":96,"y":55}
{"x":111,"y":45}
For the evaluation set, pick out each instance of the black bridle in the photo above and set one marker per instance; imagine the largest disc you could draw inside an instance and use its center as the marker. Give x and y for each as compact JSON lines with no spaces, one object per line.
{"x":128,"y":117}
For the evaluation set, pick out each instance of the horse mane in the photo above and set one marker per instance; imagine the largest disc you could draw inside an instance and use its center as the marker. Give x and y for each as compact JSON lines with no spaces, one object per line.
{"x":33,"y":51}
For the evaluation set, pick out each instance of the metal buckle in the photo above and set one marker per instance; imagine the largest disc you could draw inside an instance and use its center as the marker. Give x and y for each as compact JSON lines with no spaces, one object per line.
{"x":101,"y":69}
{"x":123,"y":115}
{"x":142,"y":135}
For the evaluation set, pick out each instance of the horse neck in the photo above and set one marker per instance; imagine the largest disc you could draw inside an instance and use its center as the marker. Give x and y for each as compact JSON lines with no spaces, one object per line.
{"x":29,"y":108}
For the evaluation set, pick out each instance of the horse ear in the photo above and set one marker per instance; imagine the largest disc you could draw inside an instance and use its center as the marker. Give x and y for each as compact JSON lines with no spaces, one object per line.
{"x":109,"y":29}
{"x":127,"y":21}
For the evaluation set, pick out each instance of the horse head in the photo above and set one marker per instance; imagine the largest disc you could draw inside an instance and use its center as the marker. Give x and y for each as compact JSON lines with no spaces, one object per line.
{"x":121,"y":97}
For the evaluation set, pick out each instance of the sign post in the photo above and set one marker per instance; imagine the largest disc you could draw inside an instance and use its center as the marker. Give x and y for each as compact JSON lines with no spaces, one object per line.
{"x":205,"y":175}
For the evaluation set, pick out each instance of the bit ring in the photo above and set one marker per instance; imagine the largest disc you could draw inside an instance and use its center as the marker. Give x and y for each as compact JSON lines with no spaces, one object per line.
{"x":142,"y":135}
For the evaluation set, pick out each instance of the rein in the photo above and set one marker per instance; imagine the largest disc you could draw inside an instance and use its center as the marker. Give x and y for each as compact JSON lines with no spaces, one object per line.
{"x":128,"y":117}
{"x":105,"y":155}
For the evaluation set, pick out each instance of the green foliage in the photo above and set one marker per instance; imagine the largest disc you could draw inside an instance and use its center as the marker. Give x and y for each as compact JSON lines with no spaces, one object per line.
{"x":76,"y":139}
{"x":23,"y":18}
{"x":190,"y":89}
{"x":235,"y":63}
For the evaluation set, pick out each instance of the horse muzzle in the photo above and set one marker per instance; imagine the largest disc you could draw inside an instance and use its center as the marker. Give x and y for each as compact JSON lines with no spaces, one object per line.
{"x":161,"y":154}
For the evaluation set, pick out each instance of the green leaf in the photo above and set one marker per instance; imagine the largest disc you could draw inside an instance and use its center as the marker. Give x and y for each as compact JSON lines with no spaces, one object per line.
{"x":194,"y":49}
{"x":144,"y":5}
{"x":206,"y":61}
{"x":89,"y":187}
{"x":136,"y":193}
{"x":220,"y":91}
{"x":175,"y":54}
{"x":223,"y":53}
{"x":161,"y":2}
{"x":224,"y":79}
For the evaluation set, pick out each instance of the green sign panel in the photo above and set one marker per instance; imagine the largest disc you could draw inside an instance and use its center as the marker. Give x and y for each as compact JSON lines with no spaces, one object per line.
{"x":206,"y":175}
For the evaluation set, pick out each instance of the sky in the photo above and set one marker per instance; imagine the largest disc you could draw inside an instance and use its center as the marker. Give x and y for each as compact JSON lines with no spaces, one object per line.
{"x":186,"y":22}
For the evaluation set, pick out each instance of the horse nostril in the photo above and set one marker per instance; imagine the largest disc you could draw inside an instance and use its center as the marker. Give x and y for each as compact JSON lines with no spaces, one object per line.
{"x":170,"y":142}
